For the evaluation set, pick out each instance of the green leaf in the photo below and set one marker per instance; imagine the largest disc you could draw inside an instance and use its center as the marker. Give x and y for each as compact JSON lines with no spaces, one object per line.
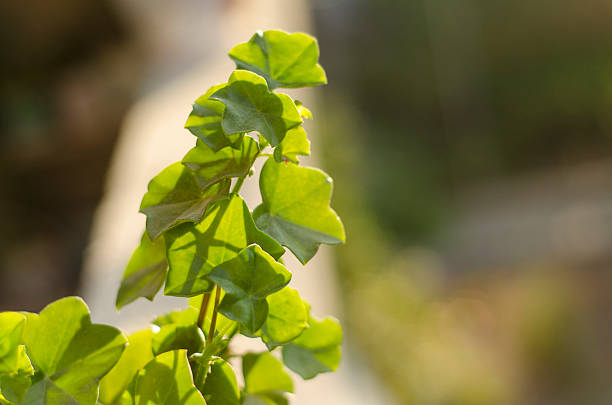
{"x":15,"y":366}
{"x":305,"y":113}
{"x":264,"y":374}
{"x":287,"y":316}
{"x":174,"y":196}
{"x":185,"y":317}
{"x":295,"y":143}
{"x":284,"y":60}
{"x":174,"y":337}
{"x":210,"y":166}
{"x":136,"y":355}
{"x":295,"y":209}
{"x":221,"y":386}
{"x":250,"y":106}
{"x":69,"y":353}
{"x":166,"y":380}
{"x":193,"y":250}
{"x":268,"y":399}
{"x":145,"y":272}
{"x":316,"y":350}
{"x":204,"y":121}
{"x":247,"y":280}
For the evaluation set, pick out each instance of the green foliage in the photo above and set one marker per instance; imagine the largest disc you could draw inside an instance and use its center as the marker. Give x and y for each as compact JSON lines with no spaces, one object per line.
{"x":202,"y":241}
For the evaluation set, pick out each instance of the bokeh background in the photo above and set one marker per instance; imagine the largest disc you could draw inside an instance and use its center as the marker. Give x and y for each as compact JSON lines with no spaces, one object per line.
{"x":471,"y":146}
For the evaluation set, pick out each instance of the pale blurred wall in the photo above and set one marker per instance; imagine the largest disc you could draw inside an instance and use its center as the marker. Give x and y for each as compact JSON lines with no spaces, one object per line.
{"x":186,"y":44}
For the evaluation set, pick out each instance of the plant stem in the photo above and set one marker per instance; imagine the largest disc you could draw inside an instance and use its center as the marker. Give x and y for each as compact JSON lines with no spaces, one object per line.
{"x":203,"y":308}
{"x":238,"y":185}
{"x":213,"y":320}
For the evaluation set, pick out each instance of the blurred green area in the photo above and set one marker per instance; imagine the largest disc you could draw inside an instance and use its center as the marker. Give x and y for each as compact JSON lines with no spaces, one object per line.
{"x":430,"y":102}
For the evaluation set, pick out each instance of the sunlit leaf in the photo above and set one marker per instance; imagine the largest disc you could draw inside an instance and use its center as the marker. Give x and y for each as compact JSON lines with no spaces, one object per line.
{"x":221,"y":386}
{"x":210,"y":166}
{"x":250,"y":106}
{"x":174,"y":336}
{"x":193,"y":250}
{"x":145,"y":272}
{"x":264,"y":374}
{"x":204,"y":121}
{"x":247,"y":280}
{"x":136,"y":355}
{"x":166,"y":380}
{"x":174,"y":196}
{"x":287,"y":317}
{"x":15,"y":366}
{"x":284,"y":60}
{"x":305,"y":113}
{"x":70,"y":353}
{"x":295,"y":209}
{"x":316,"y":350}
{"x":295,"y":143}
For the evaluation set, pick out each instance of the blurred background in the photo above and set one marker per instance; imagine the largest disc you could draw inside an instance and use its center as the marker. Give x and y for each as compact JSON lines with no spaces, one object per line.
{"x":471,"y":146}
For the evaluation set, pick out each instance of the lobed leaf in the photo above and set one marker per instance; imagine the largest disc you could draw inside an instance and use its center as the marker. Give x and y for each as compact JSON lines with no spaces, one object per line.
{"x":287,"y":318}
{"x":175,"y":336}
{"x":250,"y":106}
{"x":316,"y":350}
{"x":294,"y":143}
{"x":145,"y":272}
{"x":69,"y":353}
{"x":165,"y":380}
{"x":210,"y":166}
{"x":247,"y":280}
{"x":174,"y":196}
{"x":204,"y":121}
{"x":305,"y":113}
{"x":15,"y":366}
{"x":264,"y":374}
{"x":193,"y":250}
{"x":295,"y":209}
{"x":221,"y":386}
{"x":284,"y":60}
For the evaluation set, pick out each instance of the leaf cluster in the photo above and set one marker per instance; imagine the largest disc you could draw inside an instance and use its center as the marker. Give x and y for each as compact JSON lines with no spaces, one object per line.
{"x":203,"y":242}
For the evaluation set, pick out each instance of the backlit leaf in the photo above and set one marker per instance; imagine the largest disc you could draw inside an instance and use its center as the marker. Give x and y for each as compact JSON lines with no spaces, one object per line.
{"x":247,"y":280}
{"x":174,"y":336}
{"x":210,"y":166}
{"x":294,"y":143}
{"x":250,"y":106}
{"x":174,"y":196}
{"x":193,"y":250}
{"x":264,"y":374}
{"x":295,"y":209}
{"x":284,"y":60}
{"x":145,"y":272}
{"x":221,"y":386}
{"x":287,"y":316}
{"x":15,"y":366}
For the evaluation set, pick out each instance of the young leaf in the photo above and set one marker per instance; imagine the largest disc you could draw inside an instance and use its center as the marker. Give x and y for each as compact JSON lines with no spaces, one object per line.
{"x":284,"y":60}
{"x":204,"y":121}
{"x":70,"y":353}
{"x":174,"y":337}
{"x":287,"y":316}
{"x":145,"y":272}
{"x":295,"y":209}
{"x":305,"y":113}
{"x":15,"y":367}
{"x":247,"y":280}
{"x":136,"y":355}
{"x":250,"y":106}
{"x":264,"y":374}
{"x":174,"y":196}
{"x":166,"y":380}
{"x":210,"y":166}
{"x":193,"y":250}
{"x":221,"y":386}
{"x":295,"y":143}
{"x":316,"y":350}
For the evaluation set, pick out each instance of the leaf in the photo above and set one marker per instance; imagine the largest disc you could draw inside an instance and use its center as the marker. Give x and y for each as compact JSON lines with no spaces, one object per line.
{"x":174,"y":337}
{"x":70,"y":353}
{"x":15,"y":366}
{"x":166,"y":380}
{"x":294,"y":143}
{"x":222,"y":326}
{"x":145,"y":272}
{"x":174,"y":196}
{"x":316,"y":350}
{"x":221,"y":386}
{"x":264,"y":374}
{"x":210,"y":166}
{"x":204,"y":121}
{"x":185,"y":317}
{"x":305,"y":113}
{"x":136,"y":355}
{"x":250,"y":106}
{"x":295,"y":209}
{"x":286,"y":319}
{"x":247,"y":280}
{"x":284,"y":60}
{"x":193,"y":250}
